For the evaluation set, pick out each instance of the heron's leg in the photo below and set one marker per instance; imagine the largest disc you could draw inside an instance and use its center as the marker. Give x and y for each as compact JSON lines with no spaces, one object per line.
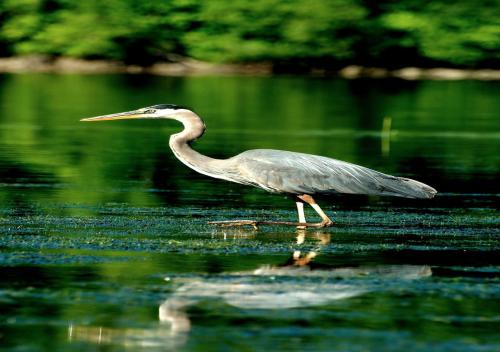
{"x":300,"y":211}
{"x":326,"y":221}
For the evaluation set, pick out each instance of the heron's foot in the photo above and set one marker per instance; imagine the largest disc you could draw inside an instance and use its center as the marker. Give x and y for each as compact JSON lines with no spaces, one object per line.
{"x":256,"y":223}
{"x":326,"y":223}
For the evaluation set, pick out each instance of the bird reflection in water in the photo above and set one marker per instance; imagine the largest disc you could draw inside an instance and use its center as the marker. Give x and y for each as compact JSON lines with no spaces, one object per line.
{"x":299,"y":282}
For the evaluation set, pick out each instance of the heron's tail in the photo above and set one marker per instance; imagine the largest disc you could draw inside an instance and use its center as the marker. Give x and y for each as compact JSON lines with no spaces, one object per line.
{"x":406,"y":187}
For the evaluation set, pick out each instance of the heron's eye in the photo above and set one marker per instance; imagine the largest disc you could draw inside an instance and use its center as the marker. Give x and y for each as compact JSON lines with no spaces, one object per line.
{"x":149,"y":111}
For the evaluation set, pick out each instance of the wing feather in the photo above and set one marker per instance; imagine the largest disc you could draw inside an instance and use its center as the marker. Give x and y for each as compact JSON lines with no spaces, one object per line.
{"x":298,"y":173}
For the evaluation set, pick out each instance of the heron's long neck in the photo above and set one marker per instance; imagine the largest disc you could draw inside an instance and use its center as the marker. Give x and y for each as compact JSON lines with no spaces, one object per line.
{"x":180,"y":144}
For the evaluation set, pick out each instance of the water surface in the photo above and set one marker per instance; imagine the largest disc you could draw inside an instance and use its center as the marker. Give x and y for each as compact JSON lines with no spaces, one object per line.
{"x":104,"y":241}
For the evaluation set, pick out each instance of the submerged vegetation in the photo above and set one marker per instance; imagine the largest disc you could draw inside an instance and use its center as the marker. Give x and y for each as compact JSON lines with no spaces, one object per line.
{"x":298,"y":33}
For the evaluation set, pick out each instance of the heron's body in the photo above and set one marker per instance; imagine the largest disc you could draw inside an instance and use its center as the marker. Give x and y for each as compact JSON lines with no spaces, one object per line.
{"x":278,"y":171}
{"x":297,"y":173}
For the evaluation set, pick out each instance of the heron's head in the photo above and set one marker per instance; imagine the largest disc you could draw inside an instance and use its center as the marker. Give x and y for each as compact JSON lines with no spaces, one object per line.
{"x":161,"y":111}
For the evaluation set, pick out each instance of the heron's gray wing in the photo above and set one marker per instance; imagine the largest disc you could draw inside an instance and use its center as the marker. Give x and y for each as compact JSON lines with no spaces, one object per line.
{"x":298,"y":173}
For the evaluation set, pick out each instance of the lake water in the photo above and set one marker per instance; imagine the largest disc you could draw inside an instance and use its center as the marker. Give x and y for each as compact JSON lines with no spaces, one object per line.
{"x":104,"y":241}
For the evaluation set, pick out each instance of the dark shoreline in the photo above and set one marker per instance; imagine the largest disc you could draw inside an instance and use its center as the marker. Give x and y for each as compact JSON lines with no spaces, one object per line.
{"x":186,"y":66}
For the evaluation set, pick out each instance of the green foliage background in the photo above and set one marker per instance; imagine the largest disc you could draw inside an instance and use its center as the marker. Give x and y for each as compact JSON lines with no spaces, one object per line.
{"x":326,"y":33}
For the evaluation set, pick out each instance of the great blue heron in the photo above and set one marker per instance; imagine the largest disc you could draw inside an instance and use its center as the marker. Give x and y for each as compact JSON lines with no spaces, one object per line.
{"x":297,"y":174}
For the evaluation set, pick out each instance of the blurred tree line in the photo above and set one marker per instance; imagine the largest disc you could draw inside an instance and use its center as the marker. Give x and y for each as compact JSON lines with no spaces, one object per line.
{"x":289,"y":33}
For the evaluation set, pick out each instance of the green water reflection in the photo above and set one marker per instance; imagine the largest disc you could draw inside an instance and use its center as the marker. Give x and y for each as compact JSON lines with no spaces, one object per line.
{"x":443,"y":133}
{"x":100,"y":225}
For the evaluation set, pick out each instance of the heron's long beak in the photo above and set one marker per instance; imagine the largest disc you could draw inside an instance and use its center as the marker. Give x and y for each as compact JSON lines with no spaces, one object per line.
{"x":119,"y":116}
